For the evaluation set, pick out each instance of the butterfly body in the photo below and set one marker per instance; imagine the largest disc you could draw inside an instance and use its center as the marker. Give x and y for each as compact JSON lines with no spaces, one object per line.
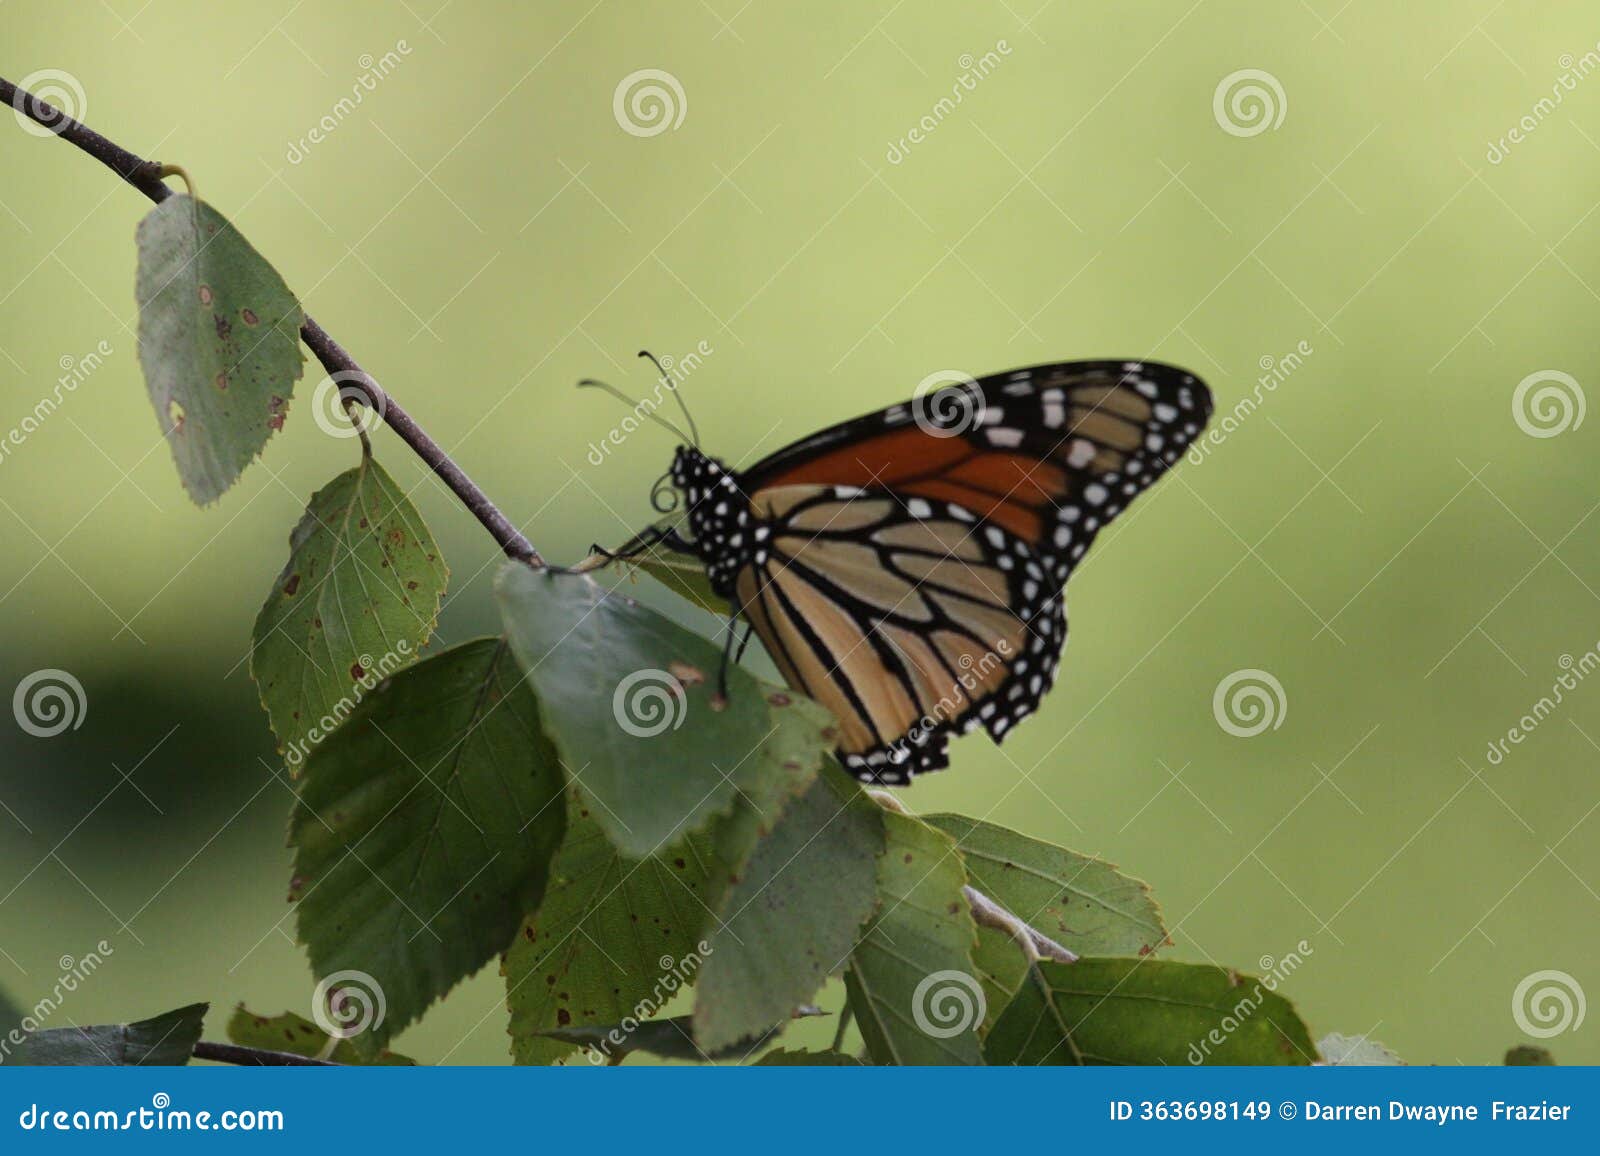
{"x":906,"y":569}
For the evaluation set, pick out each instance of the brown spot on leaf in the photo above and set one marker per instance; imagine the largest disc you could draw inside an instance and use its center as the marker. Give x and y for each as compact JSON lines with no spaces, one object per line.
{"x":357,"y":671}
{"x":222,"y":381}
{"x":292,"y":584}
{"x":205,"y":295}
{"x":224,"y":327}
{"x":563,"y":1016}
{"x":250,"y":317}
{"x":686,"y":674}
{"x":778,"y":698}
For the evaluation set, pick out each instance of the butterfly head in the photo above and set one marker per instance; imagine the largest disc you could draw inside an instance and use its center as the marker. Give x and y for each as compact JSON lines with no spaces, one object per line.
{"x":721,"y":524}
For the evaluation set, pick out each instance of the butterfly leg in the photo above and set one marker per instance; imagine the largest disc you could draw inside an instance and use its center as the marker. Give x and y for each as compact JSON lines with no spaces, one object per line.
{"x":728,"y":655}
{"x":644,"y":540}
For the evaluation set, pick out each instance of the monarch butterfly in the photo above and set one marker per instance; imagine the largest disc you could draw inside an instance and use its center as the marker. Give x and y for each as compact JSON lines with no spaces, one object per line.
{"x":906,"y":568}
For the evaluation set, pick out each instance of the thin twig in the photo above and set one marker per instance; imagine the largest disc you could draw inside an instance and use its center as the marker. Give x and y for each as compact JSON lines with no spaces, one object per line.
{"x":1035,"y":944}
{"x":255,"y":1057}
{"x":146,"y":177}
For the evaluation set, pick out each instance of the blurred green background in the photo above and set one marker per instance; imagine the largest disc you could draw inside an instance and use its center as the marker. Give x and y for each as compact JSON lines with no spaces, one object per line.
{"x":1380,"y":534}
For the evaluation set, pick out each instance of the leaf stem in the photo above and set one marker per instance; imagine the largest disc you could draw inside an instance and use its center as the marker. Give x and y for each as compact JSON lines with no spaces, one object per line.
{"x":146,"y":176}
{"x":255,"y":1057}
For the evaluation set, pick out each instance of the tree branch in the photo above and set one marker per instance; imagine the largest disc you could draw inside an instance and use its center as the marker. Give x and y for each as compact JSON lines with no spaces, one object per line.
{"x":256,"y":1057}
{"x":146,"y":177}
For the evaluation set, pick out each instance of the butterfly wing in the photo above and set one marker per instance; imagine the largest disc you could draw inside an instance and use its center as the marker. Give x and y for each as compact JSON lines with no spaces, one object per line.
{"x":913,"y":578}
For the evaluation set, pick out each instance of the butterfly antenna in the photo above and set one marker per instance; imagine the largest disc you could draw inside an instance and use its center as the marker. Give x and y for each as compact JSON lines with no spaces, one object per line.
{"x":672,"y":386}
{"x":637,"y":406}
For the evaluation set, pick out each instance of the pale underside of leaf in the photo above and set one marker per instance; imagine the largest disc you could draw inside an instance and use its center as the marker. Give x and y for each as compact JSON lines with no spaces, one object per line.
{"x":792,"y":916}
{"x":630,"y":700}
{"x":164,"y":1040}
{"x":218,"y":342}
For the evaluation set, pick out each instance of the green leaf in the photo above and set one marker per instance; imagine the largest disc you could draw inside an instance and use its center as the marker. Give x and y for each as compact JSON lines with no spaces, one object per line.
{"x":1146,"y":1011}
{"x":1526,"y":1055}
{"x":911,"y":979}
{"x":650,"y":915}
{"x":629,"y":699}
{"x":687,"y":579}
{"x":1344,"y":1051}
{"x":357,"y":599}
{"x":781,"y":1057}
{"x":424,"y":831}
{"x":219,"y":342}
{"x":669,"y":1039}
{"x":793,"y":914}
{"x":300,"y":1037}
{"x":1084,"y":904}
{"x":165,"y":1040}
{"x":613,"y":939}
